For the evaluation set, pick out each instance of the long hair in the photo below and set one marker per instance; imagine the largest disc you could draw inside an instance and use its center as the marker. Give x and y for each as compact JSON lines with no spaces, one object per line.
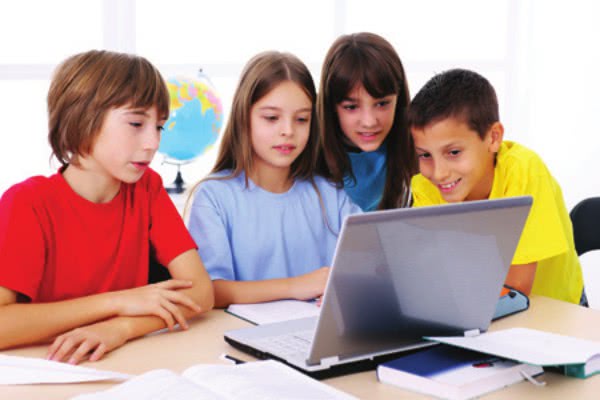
{"x":86,"y":86}
{"x":261,"y":75}
{"x":369,"y":60}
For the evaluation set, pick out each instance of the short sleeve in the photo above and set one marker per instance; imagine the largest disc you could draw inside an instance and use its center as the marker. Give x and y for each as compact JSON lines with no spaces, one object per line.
{"x":168,"y":235}
{"x":208,"y":227}
{"x":22,"y":243}
{"x":346,"y":206}
{"x":543,"y":235}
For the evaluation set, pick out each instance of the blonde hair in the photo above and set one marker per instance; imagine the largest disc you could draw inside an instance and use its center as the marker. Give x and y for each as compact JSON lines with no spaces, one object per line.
{"x":86,"y":86}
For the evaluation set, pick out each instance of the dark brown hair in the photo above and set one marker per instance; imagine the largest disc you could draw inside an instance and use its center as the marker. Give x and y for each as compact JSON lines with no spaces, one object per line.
{"x":369,"y":60}
{"x":456,"y":93}
{"x":86,"y":86}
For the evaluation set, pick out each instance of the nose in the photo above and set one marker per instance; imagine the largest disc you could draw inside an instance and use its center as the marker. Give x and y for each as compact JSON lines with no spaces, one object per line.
{"x":152,"y":140}
{"x":368,"y":118}
{"x":440,"y":171}
{"x":287,"y":127}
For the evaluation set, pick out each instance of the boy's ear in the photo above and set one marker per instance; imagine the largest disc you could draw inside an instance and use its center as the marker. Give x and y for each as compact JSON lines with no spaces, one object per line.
{"x":495,"y":136}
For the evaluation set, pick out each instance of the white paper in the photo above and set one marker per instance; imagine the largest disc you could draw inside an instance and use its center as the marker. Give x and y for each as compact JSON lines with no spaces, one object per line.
{"x":24,"y":370}
{"x":159,"y":384}
{"x":262,"y":380}
{"x":528,"y":345}
{"x":275,"y":311}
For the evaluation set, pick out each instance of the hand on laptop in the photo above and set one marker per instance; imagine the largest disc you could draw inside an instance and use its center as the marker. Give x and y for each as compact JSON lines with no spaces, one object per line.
{"x":310,"y":285}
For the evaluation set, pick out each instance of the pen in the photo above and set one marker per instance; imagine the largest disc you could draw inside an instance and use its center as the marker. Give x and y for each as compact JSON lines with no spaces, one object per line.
{"x":227,"y":357}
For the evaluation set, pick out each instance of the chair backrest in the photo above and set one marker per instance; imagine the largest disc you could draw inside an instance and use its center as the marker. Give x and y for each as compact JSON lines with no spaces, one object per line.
{"x":585,"y":217}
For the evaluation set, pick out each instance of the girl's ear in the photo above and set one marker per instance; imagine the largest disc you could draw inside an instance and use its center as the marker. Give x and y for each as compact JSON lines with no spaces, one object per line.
{"x":495,"y":136}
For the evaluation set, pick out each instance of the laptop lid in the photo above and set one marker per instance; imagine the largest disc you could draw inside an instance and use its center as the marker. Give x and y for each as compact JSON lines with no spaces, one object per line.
{"x":398,"y":274}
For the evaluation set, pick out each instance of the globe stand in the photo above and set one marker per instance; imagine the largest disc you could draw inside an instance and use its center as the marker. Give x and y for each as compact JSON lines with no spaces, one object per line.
{"x":178,"y":185}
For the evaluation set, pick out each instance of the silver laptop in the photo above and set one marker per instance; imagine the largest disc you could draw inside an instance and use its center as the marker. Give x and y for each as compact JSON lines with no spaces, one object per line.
{"x":399,"y":275}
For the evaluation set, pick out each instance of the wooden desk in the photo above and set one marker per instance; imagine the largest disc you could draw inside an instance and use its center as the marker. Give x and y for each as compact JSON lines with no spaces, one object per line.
{"x":203,"y":343}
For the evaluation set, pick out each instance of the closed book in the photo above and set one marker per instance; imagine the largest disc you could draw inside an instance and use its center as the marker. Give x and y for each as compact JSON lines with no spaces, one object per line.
{"x":453,"y":373}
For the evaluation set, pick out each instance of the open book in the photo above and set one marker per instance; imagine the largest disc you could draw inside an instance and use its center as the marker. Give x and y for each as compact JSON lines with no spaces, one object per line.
{"x":256,"y":380}
{"x":575,"y":357}
{"x":274,"y":311}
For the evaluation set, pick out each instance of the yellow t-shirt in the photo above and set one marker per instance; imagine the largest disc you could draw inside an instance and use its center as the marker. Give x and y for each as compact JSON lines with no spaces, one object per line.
{"x":547,"y":237}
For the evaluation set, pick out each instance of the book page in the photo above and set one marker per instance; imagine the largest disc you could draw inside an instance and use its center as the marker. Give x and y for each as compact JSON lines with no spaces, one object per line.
{"x":261,"y":380}
{"x":25,"y":370}
{"x":528,"y":345}
{"x":274,"y":311}
{"x":159,"y":384}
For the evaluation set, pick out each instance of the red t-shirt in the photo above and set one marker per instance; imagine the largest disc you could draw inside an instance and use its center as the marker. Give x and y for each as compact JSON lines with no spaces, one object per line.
{"x":56,"y":245}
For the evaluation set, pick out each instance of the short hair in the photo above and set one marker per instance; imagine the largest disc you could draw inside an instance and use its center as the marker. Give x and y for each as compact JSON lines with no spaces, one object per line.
{"x":262,"y":74}
{"x":369,"y":60}
{"x":456,"y":93}
{"x":86,"y":86}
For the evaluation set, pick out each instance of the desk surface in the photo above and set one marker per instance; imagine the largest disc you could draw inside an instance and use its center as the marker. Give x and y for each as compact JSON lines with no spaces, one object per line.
{"x":203,"y":343}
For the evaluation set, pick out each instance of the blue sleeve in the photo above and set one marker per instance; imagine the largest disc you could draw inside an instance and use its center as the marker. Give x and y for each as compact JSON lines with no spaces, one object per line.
{"x":208,"y":227}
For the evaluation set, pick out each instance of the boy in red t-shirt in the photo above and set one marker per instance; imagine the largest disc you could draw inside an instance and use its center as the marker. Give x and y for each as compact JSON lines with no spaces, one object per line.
{"x":75,"y":246}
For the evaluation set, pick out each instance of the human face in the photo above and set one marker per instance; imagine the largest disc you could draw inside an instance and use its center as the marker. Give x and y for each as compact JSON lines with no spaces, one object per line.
{"x":126,"y":144}
{"x":279,"y":128}
{"x":456,"y":160}
{"x":365,"y":120}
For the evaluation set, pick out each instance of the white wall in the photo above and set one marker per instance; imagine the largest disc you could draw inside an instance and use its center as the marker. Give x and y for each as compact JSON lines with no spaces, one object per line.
{"x":542,"y":57}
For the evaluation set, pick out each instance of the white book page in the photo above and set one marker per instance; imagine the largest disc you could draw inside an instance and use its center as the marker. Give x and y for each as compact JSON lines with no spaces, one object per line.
{"x":262,"y":380}
{"x":275,"y":311}
{"x":529,"y":346}
{"x":159,"y":384}
{"x":25,"y":370}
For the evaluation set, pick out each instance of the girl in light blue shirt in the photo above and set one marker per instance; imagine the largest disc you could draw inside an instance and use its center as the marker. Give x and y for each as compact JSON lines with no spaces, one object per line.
{"x":265,"y":225}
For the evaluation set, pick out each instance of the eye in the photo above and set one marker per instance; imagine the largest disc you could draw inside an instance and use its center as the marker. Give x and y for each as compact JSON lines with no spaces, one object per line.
{"x":271,"y":118}
{"x":303,"y":120}
{"x":424,"y":156}
{"x":382,"y":103}
{"x":160,"y":128}
{"x":454,"y":153}
{"x":349,"y":106}
{"x":136,"y":124}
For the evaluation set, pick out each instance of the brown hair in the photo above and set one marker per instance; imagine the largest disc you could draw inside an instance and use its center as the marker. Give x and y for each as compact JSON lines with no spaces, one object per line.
{"x":86,"y":86}
{"x":261,"y":75}
{"x":367,"y":59}
{"x":456,"y":93}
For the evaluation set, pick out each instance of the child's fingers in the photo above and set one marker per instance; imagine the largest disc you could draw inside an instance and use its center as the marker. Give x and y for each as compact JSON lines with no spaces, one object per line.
{"x":64,"y":349}
{"x":99,"y":352}
{"x":166,"y":316}
{"x":182,"y":299}
{"x":80,"y":353}
{"x":175,"y":313}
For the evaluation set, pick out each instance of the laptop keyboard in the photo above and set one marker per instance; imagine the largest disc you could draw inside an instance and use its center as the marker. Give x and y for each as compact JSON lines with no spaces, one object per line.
{"x":288,"y":345}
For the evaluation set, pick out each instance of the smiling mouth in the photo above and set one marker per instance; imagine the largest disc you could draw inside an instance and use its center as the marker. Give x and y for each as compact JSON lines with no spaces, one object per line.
{"x":446,"y":187}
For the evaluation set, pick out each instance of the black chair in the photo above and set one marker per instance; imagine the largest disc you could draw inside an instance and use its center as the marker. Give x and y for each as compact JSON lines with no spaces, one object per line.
{"x":585,"y":217}
{"x":156,"y":271}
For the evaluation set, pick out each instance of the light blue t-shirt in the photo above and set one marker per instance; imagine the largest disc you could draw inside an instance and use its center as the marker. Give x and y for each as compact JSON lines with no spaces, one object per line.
{"x":247,"y":233}
{"x":370,"y":171}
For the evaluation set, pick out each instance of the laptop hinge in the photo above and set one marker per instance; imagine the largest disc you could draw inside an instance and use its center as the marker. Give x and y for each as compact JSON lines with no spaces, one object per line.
{"x":329,"y":361}
{"x":472,"y":332}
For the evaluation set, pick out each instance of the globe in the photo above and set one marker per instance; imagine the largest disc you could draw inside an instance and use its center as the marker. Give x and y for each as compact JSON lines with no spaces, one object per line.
{"x":195,"y":120}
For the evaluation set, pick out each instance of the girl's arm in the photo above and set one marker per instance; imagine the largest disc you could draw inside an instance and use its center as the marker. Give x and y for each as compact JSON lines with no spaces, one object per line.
{"x":521,"y":277}
{"x":303,"y":287}
{"x":93,"y":341}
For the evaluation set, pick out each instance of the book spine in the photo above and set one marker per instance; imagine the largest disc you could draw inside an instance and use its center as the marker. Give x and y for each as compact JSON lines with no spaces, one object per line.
{"x":574,"y":370}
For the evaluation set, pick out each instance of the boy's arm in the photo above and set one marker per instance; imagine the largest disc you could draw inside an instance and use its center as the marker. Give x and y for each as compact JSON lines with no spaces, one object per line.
{"x":303,"y":287}
{"x":521,"y":277}
{"x":26,"y":323}
{"x":102,"y":337}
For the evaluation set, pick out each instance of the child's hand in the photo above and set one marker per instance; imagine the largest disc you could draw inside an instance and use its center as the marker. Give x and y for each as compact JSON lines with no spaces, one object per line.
{"x":160,"y":299}
{"x":87,"y":342}
{"x":310,"y":285}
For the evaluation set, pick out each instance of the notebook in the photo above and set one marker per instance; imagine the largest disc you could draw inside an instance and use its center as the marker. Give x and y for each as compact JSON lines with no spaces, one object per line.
{"x":396,"y":276}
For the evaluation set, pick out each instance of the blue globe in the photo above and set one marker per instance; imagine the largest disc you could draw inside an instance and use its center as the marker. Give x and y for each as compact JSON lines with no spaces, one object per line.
{"x":194,"y":122}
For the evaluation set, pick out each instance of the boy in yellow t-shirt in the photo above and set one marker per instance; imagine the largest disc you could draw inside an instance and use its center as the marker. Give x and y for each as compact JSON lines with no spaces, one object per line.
{"x":458,"y":138}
